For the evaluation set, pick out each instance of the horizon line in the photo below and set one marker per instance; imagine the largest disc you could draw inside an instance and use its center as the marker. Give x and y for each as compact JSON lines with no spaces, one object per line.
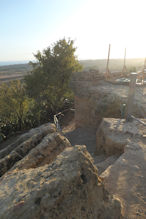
{"x":15,"y":62}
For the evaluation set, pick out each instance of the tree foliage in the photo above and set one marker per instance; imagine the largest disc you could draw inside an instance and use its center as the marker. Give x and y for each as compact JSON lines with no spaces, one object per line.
{"x":44,"y":92}
{"x":15,"y":104}
{"x":48,"y":82}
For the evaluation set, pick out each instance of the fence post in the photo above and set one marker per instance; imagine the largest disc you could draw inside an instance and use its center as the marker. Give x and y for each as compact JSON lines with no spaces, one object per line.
{"x":107,"y":64}
{"x":130,"y":102}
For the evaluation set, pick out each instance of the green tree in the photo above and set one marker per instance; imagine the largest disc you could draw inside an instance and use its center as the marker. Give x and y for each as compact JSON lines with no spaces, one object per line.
{"x":14,"y":102}
{"x":48,"y":82}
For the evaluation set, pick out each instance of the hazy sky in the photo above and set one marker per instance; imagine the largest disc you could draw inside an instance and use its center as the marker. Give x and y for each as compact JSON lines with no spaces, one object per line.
{"x":30,"y":25}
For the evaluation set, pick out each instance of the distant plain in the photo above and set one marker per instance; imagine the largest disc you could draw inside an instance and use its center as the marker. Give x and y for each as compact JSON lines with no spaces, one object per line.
{"x":18,"y":71}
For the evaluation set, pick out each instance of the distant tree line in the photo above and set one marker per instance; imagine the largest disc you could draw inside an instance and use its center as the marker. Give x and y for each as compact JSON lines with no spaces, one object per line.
{"x":43,"y":92}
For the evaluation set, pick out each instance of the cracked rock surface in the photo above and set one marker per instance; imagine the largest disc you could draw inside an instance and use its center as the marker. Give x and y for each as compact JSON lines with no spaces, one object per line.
{"x":126,"y":177}
{"x":53,"y":180}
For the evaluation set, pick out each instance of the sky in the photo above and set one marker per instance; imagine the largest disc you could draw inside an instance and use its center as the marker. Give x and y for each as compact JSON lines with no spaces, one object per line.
{"x":27,"y":26}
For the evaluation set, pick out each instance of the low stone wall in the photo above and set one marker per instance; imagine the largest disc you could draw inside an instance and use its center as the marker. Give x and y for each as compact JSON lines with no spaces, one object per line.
{"x":84,"y":112}
{"x":89,"y":111}
{"x":96,"y":98}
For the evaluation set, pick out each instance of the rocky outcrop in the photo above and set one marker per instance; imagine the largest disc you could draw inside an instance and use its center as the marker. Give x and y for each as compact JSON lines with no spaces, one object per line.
{"x":69,"y":187}
{"x":96,"y":98}
{"x":43,"y":176}
{"x":113,"y":134}
{"x":126,"y":177}
{"x":25,"y":143}
{"x":44,"y":153}
{"x":38,"y":134}
{"x":105,"y":163}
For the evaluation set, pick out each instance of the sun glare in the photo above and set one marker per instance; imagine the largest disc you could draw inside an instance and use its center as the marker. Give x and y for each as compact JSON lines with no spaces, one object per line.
{"x":98,"y":23}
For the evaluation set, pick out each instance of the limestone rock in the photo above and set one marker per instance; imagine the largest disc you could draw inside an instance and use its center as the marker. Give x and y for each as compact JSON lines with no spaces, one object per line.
{"x":126,"y":178}
{"x":113,"y":134}
{"x":39,"y":132}
{"x":19,"y":149}
{"x":67,"y":188}
{"x":44,"y":153}
{"x":103,"y":165}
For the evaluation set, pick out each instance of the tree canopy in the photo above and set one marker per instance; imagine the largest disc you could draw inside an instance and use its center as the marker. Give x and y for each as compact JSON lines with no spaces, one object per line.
{"x":52,"y":70}
{"x":44,"y":91}
{"x":15,"y":105}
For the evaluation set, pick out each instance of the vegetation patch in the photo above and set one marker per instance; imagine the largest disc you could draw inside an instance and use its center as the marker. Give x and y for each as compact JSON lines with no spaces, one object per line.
{"x":43,"y":92}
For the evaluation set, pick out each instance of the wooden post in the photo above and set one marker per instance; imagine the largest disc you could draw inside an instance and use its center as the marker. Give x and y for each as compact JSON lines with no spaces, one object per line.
{"x":107,"y":65}
{"x":144,"y":68}
{"x":131,"y":94}
{"x":124,"y":66}
{"x":125,"y":58}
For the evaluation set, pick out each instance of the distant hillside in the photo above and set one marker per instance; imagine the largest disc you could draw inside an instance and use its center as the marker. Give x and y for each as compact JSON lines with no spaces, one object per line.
{"x":17,"y":68}
{"x":114,"y":64}
{"x":13,"y":72}
{"x":17,"y":71}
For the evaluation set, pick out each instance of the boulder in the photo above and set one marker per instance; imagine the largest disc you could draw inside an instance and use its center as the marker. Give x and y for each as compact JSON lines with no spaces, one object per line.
{"x":69,"y":187}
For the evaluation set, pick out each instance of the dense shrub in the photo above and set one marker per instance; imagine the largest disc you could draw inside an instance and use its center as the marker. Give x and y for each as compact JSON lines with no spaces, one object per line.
{"x":43,"y":93}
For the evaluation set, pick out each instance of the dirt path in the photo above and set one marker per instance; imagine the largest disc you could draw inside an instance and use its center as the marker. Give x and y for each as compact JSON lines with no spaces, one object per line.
{"x":87,"y":136}
{"x":81,"y":136}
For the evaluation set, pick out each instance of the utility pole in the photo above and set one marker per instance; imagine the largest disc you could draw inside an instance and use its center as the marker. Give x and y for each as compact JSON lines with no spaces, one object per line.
{"x":107,"y":64}
{"x":131,"y":94}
